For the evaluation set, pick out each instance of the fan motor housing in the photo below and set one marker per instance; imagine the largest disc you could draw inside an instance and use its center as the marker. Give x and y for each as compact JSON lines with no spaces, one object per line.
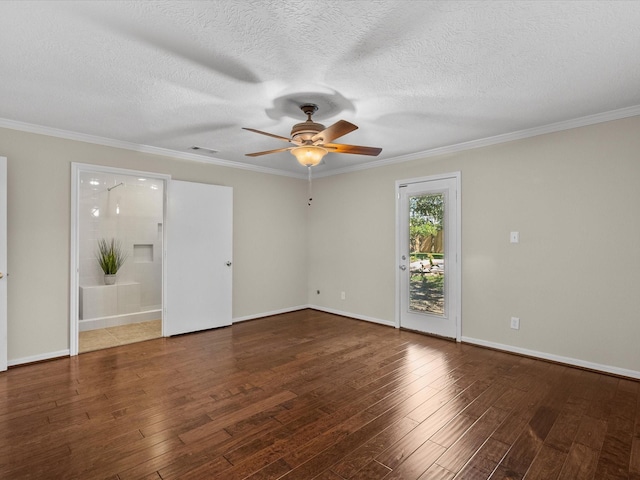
{"x":305,"y":130}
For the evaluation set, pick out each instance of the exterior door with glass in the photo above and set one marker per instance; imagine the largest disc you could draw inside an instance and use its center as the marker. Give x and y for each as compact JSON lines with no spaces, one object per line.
{"x":429,"y":255}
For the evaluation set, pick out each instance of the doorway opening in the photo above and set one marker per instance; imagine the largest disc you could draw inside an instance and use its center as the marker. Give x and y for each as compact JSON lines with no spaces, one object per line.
{"x":125,"y":210}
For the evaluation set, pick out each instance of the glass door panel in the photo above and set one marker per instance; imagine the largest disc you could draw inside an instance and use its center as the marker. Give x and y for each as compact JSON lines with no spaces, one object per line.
{"x":427,"y":253}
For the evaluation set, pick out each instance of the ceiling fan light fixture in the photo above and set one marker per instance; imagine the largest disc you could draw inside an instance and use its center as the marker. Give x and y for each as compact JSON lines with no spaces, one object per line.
{"x":309,"y":155}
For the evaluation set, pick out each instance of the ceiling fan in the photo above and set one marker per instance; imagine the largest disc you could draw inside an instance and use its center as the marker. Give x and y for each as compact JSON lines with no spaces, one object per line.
{"x":312,"y":140}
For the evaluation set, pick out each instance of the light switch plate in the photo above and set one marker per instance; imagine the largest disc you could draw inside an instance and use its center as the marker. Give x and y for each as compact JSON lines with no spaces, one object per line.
{"x":514,"y":237}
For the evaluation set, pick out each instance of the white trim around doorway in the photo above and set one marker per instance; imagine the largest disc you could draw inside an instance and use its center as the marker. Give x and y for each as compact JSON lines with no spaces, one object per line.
{"x":74,"y":264}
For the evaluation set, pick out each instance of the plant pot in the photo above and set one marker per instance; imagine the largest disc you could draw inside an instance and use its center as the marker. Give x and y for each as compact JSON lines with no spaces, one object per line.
{"x":109,"y":279}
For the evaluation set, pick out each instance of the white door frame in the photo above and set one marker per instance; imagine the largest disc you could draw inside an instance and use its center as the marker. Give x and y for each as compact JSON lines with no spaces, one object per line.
{"x":456,"y":296}
{"x":4,"y":342}
{"x":76,"y":169}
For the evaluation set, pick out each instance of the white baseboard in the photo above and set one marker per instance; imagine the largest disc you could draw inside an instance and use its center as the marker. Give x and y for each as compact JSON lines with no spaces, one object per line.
{"x":38,"y":358}
{"x":474,"y":341}
{"x":554,"y":358}
{"x":366,"y":318}
{"x":268,"y":314}
{"x":117,"y":320}
{"x":319,"y":308}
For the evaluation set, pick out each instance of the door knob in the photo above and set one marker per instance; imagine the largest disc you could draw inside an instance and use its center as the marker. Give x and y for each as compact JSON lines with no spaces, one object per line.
{"x":403,"y":267}
{"x":1,"y":275}
{"x":228,"y":264}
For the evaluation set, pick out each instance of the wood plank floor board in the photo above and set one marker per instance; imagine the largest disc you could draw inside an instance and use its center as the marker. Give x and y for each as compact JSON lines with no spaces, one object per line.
{"x":581,"y":463}
{"x":319,"y":398}
{"x":634,"y":462}
{"x":614,"y":459}
{"x":219,"y":422}
{"x":436,"y":472}
{"x":453,"y":430}
{"x":468,"y":444}
{"x":484,"y":461}
{"x":377,"y":397}
{"x":547,"y":465}
{"x":120,"y":457}
{"x":371,"y":471}
{"x":591,"y":432}
{"x":332,"y":434}
{"x":601,"y":404}
{"x":432,"y":403}
{"x":517,"y":421}
{"x":215,"y":468}
{"x":486,"y":399}
{"x":187,"y":457}
{"x":344,"y":433}
{"x":526,"y":447}
{"x":355,"y":461}
{"x":443,"y":412}
{"x":311,"y":395}
{"x":615,"y":455}
{"x":318,"y":457}
{"x":39,"y":464}
{"x":274,"y":470}
{"x":393,"y":412}
{"x":564,"y":430}
{"x":417,"y":462}
{"x":271,"y":446}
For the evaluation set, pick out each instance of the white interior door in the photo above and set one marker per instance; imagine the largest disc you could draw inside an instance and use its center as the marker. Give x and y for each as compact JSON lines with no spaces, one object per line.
{"x":3,"y":264}
{"x":429,"y":255}
{"x":198,"y":260}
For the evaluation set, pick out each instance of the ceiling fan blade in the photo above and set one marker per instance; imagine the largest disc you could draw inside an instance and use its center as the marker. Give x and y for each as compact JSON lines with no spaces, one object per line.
{"x":267,"y":134}
{"x":355,"y":149}
{"x":338,"y":129}
{"x":257,"y":154}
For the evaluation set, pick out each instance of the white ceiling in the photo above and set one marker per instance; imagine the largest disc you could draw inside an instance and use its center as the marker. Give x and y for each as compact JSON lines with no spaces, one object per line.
{"x":413,"y":75}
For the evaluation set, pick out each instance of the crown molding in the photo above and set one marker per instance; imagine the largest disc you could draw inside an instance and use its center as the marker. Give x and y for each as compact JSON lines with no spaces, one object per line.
{"x":165,"y":152}
{"x":448,"y":149}
{"x":497,"y":139}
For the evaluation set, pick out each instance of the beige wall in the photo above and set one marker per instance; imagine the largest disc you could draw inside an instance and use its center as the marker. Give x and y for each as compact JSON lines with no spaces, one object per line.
{"x":564,"y":193}
{"x":573,"y":279}
{"x":270,"y":215}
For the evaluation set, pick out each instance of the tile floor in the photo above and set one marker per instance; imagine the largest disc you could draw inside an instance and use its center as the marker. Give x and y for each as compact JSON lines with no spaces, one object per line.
{"x":121,"y":335}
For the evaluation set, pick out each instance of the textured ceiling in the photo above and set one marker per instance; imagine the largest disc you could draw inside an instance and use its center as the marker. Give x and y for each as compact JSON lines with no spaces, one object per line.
{"x":413,"y":75}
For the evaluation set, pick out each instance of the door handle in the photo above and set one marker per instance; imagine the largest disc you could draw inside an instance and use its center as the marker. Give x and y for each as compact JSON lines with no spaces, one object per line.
{"x":403,"y":267}
{"x":228,"y":264}
{"x":1,"y":275}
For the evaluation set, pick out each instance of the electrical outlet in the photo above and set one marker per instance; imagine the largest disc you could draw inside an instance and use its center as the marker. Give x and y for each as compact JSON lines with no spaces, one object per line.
{"x":515,"y":323}
{"x":343,"y":295}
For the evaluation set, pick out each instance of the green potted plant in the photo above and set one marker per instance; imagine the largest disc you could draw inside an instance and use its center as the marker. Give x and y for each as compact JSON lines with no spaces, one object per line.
{"x":110,"y":257}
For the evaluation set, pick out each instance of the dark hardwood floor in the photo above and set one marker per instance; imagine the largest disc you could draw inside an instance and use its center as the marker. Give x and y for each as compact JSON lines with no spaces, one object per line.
{"x":312,"y":395}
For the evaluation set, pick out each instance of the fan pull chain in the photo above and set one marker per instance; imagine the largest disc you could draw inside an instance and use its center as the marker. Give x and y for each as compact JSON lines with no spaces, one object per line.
{"x":310,"y":196}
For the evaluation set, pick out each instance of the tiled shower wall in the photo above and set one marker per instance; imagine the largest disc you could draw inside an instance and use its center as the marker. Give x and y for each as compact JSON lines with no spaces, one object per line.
{"x":131,"y":213}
